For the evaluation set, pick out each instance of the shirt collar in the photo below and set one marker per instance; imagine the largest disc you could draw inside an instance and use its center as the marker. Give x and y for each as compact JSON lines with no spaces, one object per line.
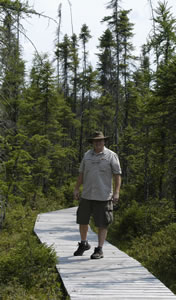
{"x":102,"y":152}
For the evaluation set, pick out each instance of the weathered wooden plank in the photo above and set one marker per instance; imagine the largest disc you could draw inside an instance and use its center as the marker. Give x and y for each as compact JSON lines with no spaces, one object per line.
{"x":112,"y":297}
{"x":116,"y":276}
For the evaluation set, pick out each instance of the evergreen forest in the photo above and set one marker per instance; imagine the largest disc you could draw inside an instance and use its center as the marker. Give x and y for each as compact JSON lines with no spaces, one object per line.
{"x":47,"y":114}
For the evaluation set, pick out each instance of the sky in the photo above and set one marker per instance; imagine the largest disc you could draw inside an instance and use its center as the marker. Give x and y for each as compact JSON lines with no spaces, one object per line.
{"x":42,"y":32}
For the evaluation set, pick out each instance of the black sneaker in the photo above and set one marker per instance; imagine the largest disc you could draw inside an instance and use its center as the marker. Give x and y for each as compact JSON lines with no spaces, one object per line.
{"x":98,"y":253}
{"x":81,"y":248}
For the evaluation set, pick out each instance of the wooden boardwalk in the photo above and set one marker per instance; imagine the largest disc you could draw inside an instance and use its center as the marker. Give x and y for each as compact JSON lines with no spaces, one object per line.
{"x":116,"y":276}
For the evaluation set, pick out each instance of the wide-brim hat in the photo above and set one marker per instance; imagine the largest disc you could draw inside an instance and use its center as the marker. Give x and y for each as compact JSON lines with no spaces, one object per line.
{"x":97,"y":135}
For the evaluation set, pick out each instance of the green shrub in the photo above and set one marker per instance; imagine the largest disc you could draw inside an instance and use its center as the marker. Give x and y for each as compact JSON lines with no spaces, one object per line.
{"x":139,"y":220}
{"x":27,"y":267}
{"x":128,"y":225}
{"x":25,"y":260}
{"x":158,"y":254}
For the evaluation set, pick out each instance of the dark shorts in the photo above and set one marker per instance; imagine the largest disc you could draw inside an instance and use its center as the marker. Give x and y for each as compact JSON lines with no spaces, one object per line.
{"x":102,"y":212}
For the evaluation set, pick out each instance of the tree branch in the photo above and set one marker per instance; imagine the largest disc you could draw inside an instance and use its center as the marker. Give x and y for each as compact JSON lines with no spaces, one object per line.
{"x":23,"y":9}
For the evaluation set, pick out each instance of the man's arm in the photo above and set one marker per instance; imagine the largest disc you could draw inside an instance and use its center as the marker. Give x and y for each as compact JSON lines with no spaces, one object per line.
{"x":77,"y":186}
{"x":117,"y":185}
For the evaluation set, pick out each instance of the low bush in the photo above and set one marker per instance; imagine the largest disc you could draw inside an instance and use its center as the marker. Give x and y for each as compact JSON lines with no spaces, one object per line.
{"x":27,"y":267}
{"x":147,"y":232}
{"x":158,"y":254}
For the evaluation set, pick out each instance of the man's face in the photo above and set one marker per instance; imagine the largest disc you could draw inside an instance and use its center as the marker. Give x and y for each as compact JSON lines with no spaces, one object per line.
{"x":98,"y":145}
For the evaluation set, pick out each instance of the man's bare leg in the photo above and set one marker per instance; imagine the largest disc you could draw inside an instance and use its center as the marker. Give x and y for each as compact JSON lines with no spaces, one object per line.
{"x":102,"y":234}
{"x":83,"y":231}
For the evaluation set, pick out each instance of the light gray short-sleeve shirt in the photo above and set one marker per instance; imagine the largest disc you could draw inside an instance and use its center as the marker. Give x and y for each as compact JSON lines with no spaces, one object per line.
{"x":98,"y":170}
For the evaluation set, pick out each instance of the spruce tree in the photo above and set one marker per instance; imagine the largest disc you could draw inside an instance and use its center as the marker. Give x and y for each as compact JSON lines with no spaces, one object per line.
{"x":84,"y":37}
{"x":163,"y":38}
{"x":113,"y":22}
{"x":46,"y":119}
{"x":74,"y":67}
{"x":63,"y":54}
{"x":163,"y":43}
{"x":11,"y":94}
{"x":106,"y":63}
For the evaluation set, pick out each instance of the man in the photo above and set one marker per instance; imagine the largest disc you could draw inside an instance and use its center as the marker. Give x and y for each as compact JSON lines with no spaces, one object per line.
{"x":96,"y":172}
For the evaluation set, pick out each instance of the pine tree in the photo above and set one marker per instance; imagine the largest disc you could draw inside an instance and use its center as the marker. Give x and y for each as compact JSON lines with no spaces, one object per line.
{"x":126,"y":47}
{"x":163,"y":38}
{"x":163,"y":43}
{"x":106,"y":62}
{"x":84,"y":37}
{"x":121,"y":28}
{"x":63,"y":54}
{"x":74,"y":66}
{"x":11,"y":88}
{"x":46,"y":120}
{"x":164,"y":113}
{"x":142,"y":78}
{"x":113,"y":22}
{"x":12,"y":71}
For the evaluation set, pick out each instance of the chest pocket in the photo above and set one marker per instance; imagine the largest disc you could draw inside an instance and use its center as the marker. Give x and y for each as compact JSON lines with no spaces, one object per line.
{"x":88,"y":165}
{"x":104,"y":165}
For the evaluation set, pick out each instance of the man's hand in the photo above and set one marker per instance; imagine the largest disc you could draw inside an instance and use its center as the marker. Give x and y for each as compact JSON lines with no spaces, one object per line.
{"x":78,"y":184}
{"x":117,"y":181}
{"x":76,"y":194}
{"x":115,"y":197}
